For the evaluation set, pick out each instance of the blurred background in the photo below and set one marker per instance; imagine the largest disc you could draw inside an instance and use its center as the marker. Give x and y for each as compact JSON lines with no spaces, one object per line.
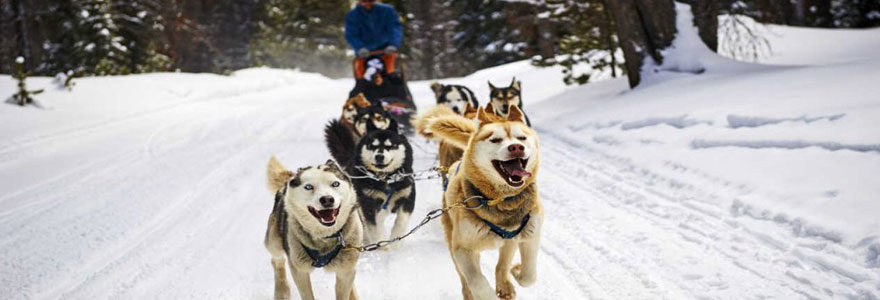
{"x":443,"y":38}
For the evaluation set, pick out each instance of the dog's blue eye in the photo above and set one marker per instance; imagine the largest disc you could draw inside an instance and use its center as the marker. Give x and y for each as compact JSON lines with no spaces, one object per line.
{"x":335,"y":184}
{"x":308,"y":187}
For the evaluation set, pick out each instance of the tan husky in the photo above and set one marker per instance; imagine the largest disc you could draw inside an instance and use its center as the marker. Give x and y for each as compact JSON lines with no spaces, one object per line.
{"x":315,"y":210}
{"x":498,"y":170}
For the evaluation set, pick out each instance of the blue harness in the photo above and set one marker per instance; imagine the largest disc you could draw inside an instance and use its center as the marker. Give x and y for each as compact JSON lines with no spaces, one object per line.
{"x":318,"y":260}
{"x":388,"y":192}
{"x":484,"y":201}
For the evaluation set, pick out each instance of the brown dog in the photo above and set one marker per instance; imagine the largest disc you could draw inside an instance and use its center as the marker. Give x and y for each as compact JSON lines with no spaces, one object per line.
{"x":497,"y":170}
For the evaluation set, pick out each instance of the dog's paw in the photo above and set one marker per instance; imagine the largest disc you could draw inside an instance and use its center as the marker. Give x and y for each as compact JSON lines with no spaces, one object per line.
{"x":522,"y":278}
{"x":505,"y":290}
{"x":282,"y":294}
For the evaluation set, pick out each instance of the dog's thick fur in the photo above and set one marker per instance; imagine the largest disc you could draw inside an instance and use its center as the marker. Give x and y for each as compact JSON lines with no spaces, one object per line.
{"x":446,"y":152}
{"x":466,"y":233}
{"x":456,"y":97}
{"x":371,"y":192}
{"x":503,"y":98}
{"x":291,"y":227}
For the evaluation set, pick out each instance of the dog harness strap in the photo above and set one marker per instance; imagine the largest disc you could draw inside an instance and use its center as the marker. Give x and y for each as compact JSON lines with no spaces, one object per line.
{"x":388,"y":192}
{"x":504,"y":234}
{"x":446,"y":182}
{"x":318,"y":260}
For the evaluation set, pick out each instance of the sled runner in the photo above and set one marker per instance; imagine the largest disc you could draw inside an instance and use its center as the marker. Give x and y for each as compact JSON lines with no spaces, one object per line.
{"x":380,"y":78}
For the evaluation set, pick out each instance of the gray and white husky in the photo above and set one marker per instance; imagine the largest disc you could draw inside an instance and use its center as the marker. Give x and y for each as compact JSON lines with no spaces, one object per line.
{"x":315,"y":215}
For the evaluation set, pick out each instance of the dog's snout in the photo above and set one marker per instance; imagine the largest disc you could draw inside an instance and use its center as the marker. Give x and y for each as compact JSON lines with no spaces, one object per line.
{"x":327,"y":201}
{"x":380,"y":158}
{"x":516,"y":149}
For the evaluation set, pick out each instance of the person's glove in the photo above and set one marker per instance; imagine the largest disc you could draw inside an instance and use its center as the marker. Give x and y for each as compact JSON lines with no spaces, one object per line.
{"x":390,"y":50}
{"x":363,"y":52}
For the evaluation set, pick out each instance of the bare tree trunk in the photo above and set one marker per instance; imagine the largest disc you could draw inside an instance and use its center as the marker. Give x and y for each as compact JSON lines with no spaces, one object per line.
{"x":706,"y":19}
{"x":644,"y":28}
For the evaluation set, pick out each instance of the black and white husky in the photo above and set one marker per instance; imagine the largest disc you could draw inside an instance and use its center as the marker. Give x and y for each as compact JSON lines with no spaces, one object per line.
{"x":456,"y":97}
{"x":314,"y":216}
{"x":380,"y":165}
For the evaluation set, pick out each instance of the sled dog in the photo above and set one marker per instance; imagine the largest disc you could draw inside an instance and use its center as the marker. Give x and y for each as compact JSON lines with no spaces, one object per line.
{"x":379,"y":165}
{"x":315,"y":211}
{"x":350,"y":109}
{"x":498,"y":171}
{"x":502,"y":99}
{"x":456,"y":97}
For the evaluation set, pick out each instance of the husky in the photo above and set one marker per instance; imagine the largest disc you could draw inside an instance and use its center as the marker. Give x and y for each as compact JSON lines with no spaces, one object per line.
{"x":379,"y":167}
{"x":341,"y":136}
{"x":351,"y":107}
{"x":446,"y":152}
{"x":502,"y":99}
{"x":375,"y":115}
{"x":314,"y":216}
{"x":456,"y":97}
{"x":497,"y":172}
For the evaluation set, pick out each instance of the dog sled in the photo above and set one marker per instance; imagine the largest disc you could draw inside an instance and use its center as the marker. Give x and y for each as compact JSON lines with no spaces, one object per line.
{"x":381,"y":79}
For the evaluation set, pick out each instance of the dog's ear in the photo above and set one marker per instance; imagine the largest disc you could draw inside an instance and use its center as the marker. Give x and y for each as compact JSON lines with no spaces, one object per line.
{"x":277,"y":174}
{"x":361,"y":101}
{"x":515,"y":84}
{"x":453,"y":129}
{"x":437,"y":88}
{"x":393,"y":126}
{"x":484,"y":117}
{"x":516,"y":115}
{"x":470,"y":110}
{"x":491,"y":108}
{"x":491,"y":87}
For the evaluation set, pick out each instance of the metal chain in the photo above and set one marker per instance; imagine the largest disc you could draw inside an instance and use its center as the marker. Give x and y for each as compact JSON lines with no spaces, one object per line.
{"x":431,"y":173}
{"x":434,"y":214}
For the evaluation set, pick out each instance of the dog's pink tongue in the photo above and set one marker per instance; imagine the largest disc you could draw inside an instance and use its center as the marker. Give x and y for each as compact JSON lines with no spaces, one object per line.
{"x":515,"y":168}
{"x":520,"y":172}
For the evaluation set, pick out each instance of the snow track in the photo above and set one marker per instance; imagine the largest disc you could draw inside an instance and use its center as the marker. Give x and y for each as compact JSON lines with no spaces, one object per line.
{"x":676,"y":240}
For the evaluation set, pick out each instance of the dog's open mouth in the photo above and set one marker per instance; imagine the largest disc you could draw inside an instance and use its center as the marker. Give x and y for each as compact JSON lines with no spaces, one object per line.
{"x":327,"y":217}
{"x":513,"y":171}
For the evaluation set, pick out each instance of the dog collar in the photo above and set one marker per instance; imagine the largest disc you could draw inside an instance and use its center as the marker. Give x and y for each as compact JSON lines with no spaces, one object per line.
{"x":501,"y":232}
{"x":318,"y":260}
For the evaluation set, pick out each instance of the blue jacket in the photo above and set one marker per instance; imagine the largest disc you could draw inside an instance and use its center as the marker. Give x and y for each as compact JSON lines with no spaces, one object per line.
{"x":374,"y":29}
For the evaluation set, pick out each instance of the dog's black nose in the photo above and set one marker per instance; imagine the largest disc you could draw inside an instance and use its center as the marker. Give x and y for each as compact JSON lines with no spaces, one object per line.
{"x":380,"y":158}
{"x":456,"y":110}
{"x":326,"y":201}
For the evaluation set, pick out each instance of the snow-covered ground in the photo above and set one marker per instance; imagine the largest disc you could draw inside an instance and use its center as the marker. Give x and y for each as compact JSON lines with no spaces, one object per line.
{"x":744,"y":182}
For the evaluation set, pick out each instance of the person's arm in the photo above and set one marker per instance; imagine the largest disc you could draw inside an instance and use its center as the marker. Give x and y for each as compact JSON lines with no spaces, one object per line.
{"x":352,"y":32}
{"x":396,"y":28}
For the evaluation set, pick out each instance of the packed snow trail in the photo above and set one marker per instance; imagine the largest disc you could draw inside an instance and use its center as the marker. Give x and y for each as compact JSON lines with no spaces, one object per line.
{"x":172,"y":204}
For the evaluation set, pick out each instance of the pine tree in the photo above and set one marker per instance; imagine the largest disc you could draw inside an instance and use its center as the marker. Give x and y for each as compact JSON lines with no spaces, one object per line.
{"x":139,"y":28}
{"x":100,"y":49}
{"x":482,"y":36}
{"x":590,"y":41}
{"x":23,"y":97}
{"x":304,"y":34}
